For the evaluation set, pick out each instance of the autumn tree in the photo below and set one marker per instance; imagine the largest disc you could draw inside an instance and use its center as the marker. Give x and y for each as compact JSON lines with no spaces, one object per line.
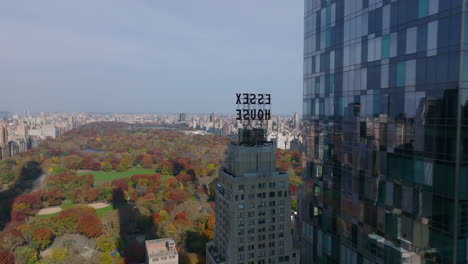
{"x":106,"y":166}
{"x":209,"y":227}
{"x":105,"y":243}
{"x":6,"y":257}
{"x":148,"y":161}
{"x":25,"y":255}
{"x":42,"y":238}
{"x":90,"y":225}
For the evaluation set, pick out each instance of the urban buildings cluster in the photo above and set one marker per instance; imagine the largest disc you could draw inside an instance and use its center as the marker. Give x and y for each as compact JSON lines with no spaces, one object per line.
{"x":21,"y":133}
{"x":283,"y":131}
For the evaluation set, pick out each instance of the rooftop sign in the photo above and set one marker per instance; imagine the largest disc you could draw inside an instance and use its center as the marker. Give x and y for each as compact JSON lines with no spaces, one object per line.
{"x":251,"y":106}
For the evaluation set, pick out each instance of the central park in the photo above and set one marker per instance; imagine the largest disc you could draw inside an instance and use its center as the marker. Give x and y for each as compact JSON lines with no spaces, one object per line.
{"x":94,"y":194}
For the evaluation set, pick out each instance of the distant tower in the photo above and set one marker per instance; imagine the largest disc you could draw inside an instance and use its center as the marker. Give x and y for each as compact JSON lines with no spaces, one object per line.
{"x":4,"y":146}
{"x":253,"y":206}
{"x":296,"y":120}
{"x":182,"y":117}
{"x":212,"y":118}
{"x":3,"y":134}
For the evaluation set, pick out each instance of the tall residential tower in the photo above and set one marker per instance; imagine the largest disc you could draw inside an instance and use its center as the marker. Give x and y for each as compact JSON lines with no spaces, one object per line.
{"x":253,"y":206}
{"x":385,"y":99}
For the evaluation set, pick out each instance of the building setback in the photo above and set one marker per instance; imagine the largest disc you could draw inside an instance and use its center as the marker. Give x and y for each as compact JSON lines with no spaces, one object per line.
{"x":253,"y":206}
{"x":385,"y":98}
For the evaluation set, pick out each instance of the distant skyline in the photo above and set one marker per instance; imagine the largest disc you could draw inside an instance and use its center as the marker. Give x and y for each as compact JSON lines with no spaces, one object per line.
{"x":149,"y":56}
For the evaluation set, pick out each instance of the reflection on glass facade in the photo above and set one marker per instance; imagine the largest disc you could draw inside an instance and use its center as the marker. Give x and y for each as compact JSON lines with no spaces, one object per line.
{"x":385,"y":98}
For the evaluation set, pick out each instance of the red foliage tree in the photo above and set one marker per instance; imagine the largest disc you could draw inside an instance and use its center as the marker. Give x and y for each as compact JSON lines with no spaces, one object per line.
{"x":120,"y":184}
{"x":156,"y":218}
{"x":90,"y":225}
{"x":54,"y":196}
{"x":181,"y":219}
{"x":148,"y":161}
{"x":176,"y":195}
{"x":293,"y":189}
{"x":168,"y":207}
{"x":6,"y":257}
{"x":183,"y":177}
{"x":42,"y":237}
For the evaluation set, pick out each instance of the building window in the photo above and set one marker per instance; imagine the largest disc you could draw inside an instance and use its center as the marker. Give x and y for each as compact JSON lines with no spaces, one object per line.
{"x":401,"y":74}
{"x":432,"y":33}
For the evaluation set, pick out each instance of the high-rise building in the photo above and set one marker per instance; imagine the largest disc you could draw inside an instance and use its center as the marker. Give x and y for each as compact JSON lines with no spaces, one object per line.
{"x":4,"y":146}
{"x":296,"y":120}
{"x":385,"y":99}
{"x":3,"y":134}
{"x":253,"y":206}
{"x":182,"y":117}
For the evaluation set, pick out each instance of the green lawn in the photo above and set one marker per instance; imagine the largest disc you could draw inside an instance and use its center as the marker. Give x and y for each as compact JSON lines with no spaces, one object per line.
{"x":68,"y":204}
{"x":104,"y":176}
{"x":102,"y":211}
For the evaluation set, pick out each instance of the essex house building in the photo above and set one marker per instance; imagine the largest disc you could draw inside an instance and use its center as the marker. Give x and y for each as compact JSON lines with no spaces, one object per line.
{"x":253,"y":206}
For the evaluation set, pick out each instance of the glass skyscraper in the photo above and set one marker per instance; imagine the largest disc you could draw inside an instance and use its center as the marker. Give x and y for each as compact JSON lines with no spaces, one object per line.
{"x":385,"y":99}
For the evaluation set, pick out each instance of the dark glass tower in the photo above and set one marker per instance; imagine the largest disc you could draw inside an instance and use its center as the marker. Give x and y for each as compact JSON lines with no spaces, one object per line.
{"x":385,"y":99}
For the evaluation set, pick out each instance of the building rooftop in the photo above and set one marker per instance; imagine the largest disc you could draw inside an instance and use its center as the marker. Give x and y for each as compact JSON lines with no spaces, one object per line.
{"x":161,"y":247}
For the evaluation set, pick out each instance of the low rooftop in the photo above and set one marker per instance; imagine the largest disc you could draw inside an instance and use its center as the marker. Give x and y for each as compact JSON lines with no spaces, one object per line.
{"x":161,"y":247}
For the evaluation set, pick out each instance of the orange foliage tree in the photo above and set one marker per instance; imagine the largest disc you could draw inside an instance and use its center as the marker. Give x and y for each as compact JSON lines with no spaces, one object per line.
{"x":90,"y":225}
{"x":42,"y":237}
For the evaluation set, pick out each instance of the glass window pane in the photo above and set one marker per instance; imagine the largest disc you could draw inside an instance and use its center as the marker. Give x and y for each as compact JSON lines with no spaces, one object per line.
{"x":410,"y":73}
{"x":423,"y":8}
{"x":411,"y":34}
{"x":401,"y":71}
{"x":432,"y":38}
{"x":385,"y":46}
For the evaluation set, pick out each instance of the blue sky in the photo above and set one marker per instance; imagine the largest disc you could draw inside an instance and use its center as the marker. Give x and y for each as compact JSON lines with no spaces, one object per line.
{"x":149,"y":56}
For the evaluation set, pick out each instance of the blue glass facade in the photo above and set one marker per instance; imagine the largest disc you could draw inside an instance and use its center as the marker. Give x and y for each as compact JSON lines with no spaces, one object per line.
{"x":385,"y":100}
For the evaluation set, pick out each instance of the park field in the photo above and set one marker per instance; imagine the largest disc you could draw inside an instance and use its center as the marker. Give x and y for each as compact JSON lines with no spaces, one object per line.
{"x":108,"y":176}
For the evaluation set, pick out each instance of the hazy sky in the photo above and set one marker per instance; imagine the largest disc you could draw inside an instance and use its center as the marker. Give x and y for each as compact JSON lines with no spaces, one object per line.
{"x":149,"y":56}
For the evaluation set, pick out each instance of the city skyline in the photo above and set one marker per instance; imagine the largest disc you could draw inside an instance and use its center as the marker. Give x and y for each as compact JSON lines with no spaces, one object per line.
{"x":141,"y":56}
